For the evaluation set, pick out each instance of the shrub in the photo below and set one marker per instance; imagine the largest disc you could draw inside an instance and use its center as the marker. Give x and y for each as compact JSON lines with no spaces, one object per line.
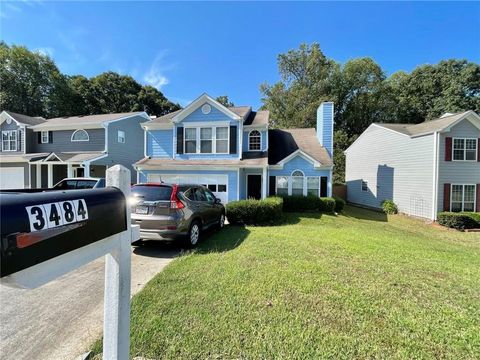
{"x":389,"y":207}
{"x":327,"y":204}
{"x":299,"y":203}
{"x":474,"y":215}
{"x":255,"y":212}
{"x":339,"y":204}
{"x":459,"y":221}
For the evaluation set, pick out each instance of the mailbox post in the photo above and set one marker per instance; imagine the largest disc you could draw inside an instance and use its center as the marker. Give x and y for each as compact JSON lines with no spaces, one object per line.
{"x":46,"y":235}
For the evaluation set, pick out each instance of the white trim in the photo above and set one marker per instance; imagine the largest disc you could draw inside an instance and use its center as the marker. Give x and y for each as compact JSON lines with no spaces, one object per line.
{"x":195,"y":104}
{"x":50,"y":156}
{"x":465,"y":116}
{"x":145,"y":142}
{"x":463,"y":195}
{"x":238,"y":184}
{"x":157,"y":126}
{"x":78,"y":130}
{"x":436,"y":138}
{"x":464,"y":149}
{"x":319,"y":184}
{"x":303,"y":182}
{"x":299,"y":153}
{"x":250,"y":134}
{"x":198,"y":139}
{"x":124,"y":136}
{"x":41,"y":136}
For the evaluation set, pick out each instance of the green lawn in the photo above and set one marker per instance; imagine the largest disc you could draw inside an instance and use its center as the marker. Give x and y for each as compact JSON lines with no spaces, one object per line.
{"x":357,"y":285}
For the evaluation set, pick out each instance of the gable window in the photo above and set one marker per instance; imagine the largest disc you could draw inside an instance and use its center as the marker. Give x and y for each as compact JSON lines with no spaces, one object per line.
{"x":297,"y":182}
{"x":254,"y":140}
{"x":9,"y":140}
{"x":80,"y":135}
{"x":282,"y":185}
{"x":364,"y":185}
{"x":313,"y":185}
{"x":465,"y":149}
{"x":190,"y":140}
{"x":221,"y":142}
{"x":121,"y":136}
{"x":463,"y":198}
{"x":206,"y":140}
{"x":44,"y":136}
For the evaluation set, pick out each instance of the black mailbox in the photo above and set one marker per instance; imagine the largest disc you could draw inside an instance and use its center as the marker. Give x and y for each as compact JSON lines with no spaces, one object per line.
{"x":38,"y":227}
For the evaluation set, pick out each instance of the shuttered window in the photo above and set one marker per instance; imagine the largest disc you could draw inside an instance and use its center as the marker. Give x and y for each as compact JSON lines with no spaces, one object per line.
{"x":462,"y":198}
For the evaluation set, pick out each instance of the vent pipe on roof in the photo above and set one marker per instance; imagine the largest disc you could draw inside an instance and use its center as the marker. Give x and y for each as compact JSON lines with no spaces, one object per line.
{"x":446,"y":114}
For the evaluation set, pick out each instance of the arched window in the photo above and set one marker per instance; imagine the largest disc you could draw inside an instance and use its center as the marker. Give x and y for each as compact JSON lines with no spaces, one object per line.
{"x":80,"y":135}
{"x":297,"y":182}
{"x":254,"y":140}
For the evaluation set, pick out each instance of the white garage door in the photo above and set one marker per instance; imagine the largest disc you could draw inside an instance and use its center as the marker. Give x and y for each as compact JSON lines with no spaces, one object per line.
{"x":216,"y":183}
{"x":12,"y":178}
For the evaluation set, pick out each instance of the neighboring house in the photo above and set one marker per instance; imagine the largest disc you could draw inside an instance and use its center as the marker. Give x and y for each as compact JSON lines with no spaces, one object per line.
{"x":38,"y":153}
{"x":233,"y":152}
{"x":425,"y":168}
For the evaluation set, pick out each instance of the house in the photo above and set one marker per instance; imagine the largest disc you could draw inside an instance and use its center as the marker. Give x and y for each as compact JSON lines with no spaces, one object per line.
{"x":425,"y":168}
{"x":39,"y":152}
{"x":233,"y":152}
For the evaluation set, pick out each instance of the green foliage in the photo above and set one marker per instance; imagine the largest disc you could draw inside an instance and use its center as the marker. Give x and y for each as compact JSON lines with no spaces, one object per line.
{"x":459,"y":221}
{"x":33,"y":85}
{"x":255,"y":212}
{"x":225,"y":101}
{"x":474,"y":215}
{"x":363,"y":94}
{"x":389,"y":207}
{"x":310,"y":203}
{"x":339,"y":204}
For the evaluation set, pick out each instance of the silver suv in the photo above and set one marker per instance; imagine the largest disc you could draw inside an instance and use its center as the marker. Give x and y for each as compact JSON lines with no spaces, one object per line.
{"x":171,"y":211}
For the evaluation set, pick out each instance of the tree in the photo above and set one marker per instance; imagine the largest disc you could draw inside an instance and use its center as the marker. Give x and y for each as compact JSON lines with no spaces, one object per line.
{"x":224,"y":100}
{"x":152,"y":101}
{"x":31,"y":83}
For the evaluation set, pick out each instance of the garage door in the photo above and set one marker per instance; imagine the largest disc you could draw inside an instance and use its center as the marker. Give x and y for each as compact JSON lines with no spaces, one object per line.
{"x":216,"y":183}
{"x":12,"y":178}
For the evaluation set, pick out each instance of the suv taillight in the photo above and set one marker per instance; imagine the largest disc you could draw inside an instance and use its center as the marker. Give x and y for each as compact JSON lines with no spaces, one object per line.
{"x":175,"y":202}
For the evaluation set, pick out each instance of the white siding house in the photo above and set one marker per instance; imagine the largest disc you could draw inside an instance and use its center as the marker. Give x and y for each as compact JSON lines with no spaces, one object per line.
{"x":420,"y":167}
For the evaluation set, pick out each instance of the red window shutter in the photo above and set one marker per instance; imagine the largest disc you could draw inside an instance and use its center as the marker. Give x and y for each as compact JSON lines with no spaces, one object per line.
{"x":478,"y":155}
{"x":446,"y":197}
{"x":478,"y":197}
{"x":448,"y":149}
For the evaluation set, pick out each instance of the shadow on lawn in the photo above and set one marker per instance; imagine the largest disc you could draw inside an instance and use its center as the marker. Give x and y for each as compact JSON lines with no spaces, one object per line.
{"x":224,"y":240}
{"x":364,"y":214}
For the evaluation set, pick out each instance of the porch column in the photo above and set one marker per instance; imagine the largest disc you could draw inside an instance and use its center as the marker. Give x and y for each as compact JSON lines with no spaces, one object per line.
{"x":264,"y":183}
{"x":69,"y":171}
{"x":38,"y":175}
{"x":86,"y":166}
{"x":50,"y":175}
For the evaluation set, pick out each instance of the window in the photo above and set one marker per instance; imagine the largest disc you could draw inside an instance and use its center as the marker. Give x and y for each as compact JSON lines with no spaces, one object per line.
{"x":282,"y":185}
{"x":313,"y":185}
{"x":210,"y":197}
{"x":221,"y":140}
{"x":297,"y":182}
{"x":463,"y":198}
{"x":200,"y":195}
{"x":190,"y":140}
{"x":254,"y":140}
{"x":121,"y":136}
{"x":464,"y":149}
{"x":206,"y":140}
{"x":364,"y":185}
{"x":44,"y":137}
{"x":222,"y":188}
{"x":9,"y":140}
{"x":80,"y":135}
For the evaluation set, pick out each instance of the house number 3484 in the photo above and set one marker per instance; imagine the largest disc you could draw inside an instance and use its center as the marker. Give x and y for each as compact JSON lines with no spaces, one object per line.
{"x":51,"y":215}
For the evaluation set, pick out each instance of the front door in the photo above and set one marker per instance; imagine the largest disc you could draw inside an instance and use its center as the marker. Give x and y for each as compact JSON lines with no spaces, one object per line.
{"x":254,"y":186}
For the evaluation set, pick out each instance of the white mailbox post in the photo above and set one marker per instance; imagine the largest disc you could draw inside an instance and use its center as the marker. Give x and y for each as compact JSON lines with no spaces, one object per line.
{"x":50,"y":248}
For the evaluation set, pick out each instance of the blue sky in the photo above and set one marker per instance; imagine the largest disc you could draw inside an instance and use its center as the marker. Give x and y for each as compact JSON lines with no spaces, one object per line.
{"x":186,"y":49}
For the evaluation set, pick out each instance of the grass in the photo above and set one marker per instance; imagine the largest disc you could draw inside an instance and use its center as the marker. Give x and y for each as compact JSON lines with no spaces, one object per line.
{"x":358,"y":285}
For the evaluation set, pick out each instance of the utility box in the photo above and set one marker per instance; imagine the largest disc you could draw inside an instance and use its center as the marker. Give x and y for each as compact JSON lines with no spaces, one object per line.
{"x":36,"y":227}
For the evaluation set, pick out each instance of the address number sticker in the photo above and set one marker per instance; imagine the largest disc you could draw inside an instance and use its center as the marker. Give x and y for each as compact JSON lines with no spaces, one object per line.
{"x":52,"y":215}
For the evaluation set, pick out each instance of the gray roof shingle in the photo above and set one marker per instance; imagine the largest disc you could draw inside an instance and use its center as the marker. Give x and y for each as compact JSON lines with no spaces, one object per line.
{"x":84,"y":120}
{"x":24,"y":119}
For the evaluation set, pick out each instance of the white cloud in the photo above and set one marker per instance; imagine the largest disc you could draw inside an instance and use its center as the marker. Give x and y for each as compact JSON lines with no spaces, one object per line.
{"x":47,"y":51}
{"x":155,"y":76}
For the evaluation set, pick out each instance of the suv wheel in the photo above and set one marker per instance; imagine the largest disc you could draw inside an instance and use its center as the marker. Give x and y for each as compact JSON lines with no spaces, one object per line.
{"x":193,"y":236}
{"x":221,"y":221}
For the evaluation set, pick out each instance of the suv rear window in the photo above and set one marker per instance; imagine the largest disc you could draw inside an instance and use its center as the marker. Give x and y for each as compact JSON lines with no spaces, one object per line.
{"x":152,"y":192}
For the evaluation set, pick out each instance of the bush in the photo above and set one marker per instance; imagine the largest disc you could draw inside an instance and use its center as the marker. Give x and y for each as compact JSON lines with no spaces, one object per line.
{"x":459,"y":221}
{"x":339,"y":204}
{"x":389,"y":207}
{"x":299,"y":203}
{"x":327,"y":204}
{"x":255,"y":212}
{"x":474,"y":215}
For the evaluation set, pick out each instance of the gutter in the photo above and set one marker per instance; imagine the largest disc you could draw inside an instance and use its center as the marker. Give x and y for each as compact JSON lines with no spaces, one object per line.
{"x":436,"y":136}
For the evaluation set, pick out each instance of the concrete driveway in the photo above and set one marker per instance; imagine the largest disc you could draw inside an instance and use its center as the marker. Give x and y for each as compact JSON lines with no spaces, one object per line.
{"x":61,"y":319}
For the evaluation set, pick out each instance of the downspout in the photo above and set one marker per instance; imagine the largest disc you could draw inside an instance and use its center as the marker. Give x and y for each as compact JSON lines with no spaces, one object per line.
{"x":435,"y":175}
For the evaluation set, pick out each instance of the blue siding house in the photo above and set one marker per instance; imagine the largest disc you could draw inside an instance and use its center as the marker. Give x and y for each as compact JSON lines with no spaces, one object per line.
{"x":232,"y":151}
